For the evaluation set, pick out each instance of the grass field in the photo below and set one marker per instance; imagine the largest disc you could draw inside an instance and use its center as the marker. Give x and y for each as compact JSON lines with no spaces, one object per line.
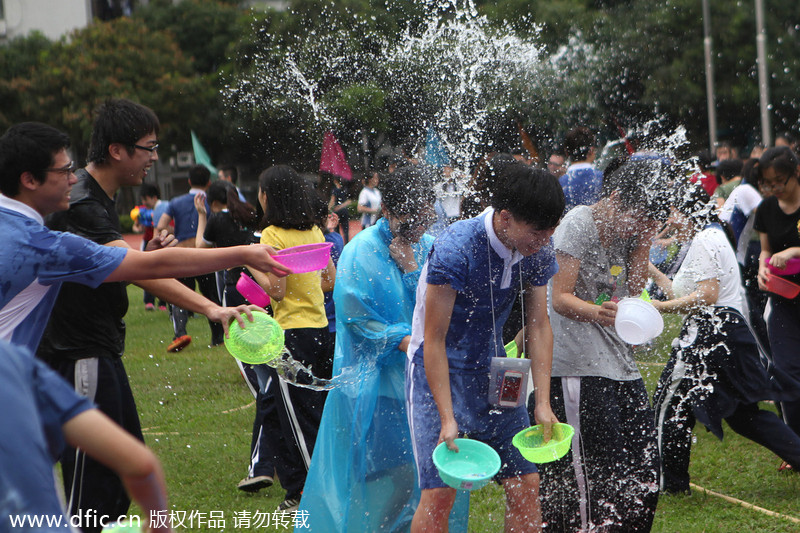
{"x":197,"y":415}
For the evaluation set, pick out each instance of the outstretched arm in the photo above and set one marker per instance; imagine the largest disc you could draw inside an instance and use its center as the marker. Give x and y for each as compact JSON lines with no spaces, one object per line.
{"x":186,"y":262}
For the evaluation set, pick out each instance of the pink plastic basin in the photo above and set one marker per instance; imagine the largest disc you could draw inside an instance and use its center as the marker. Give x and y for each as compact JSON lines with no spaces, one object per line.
{"x":782,"y":287}
{"x":305,"y":258}
{"x":252,"y":291}
{"x":792,"y":267}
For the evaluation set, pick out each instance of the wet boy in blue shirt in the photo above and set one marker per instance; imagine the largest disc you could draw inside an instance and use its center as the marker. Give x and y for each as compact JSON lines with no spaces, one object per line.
{"x":475,"y":271}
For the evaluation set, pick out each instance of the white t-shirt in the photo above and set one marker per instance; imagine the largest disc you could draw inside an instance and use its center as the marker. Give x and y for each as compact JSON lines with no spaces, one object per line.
{"x":711,"y":256}
{"x":745,"y":197}
{"x":371,"y":198}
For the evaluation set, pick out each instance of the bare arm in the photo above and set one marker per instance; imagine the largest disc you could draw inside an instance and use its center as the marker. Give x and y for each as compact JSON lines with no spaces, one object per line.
{"x":328,"y":276}
{"x":766,"y":253}
{"x":706,"y":294}
{"x":163,"y":222}
{"x":102,"y":439}
{"x":202,"y":220}
{"x":567,"y":304}
{"x":439,"y":302}
{"x":539,"y":347}
{"x":661,"y":279}
{"x":179,"y":262}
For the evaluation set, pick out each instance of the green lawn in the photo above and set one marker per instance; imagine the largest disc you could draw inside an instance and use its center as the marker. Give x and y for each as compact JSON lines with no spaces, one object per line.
{"x":197,"y":416}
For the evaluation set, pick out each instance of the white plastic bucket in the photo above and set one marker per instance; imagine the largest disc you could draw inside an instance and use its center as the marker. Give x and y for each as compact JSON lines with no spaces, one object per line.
{"x":637,"y":321}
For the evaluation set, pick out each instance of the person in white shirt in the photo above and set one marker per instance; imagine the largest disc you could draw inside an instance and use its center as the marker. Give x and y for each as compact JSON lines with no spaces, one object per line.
{"x":717,"y":369}
{"x":369,"y":201}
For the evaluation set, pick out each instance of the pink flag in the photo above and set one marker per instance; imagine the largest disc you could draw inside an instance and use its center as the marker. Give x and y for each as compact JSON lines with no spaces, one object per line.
{"x":333,"y":159}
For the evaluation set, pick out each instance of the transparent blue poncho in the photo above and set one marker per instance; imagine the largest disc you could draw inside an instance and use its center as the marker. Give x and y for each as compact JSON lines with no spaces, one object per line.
{"x":362,"y":475}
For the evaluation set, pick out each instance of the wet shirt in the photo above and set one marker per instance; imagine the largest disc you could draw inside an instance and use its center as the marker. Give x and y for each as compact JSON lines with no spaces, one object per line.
{"x":711,"y":257}
{"x":36,"y":402}
{"x":35,"y":263}
{"x":486,"y":277}
{"x":585,"y":348}
{"x":783,"y":231}
{"x":87,"y":322}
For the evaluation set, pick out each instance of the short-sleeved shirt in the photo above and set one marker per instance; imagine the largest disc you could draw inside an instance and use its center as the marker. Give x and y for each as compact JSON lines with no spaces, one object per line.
{"x":587,"y":348}
{"x":371,"y":198}
{"x":184,"y":215}
{"x":303,"y":305}
{"x":486,"y":277}
{"x":36,"y":402}
{"x":35,"y":263}
{"x":783,"y":231}
{"x":738,"y":211}
{"x":724,"y":190}
{"x":87,"y":322}
{"x":223,"y":231}
{"x":711,"y":256}
{"x":582,"y":185}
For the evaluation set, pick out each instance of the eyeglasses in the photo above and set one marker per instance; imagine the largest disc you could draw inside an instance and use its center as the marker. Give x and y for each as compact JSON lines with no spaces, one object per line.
{"x":150,"y":149}
{"x":776,"y":186}
{"x":66,"y":170}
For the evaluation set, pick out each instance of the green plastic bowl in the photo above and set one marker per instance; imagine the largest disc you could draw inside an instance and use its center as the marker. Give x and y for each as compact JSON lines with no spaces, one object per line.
{"x":472,"y":467}
{"x":258,"y":342}
{"x":530,"y":443}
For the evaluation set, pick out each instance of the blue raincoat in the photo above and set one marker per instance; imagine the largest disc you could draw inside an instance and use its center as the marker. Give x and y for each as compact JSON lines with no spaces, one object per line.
{"x":362,"y":475}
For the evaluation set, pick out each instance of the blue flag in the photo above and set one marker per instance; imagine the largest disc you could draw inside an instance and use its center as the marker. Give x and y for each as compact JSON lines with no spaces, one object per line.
{"x":201,"y":156}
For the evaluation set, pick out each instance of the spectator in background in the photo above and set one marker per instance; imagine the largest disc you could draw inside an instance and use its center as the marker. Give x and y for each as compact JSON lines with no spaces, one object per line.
{"x":556,"y":164}
{"x":369,"y":201}
{"x":582,"y":182}
{"x":707,"y":180}
{"x":144,"y":223}
{"x":339,"y":204}
{"x":729,"y":176}
{"x":182,"y":212}
{"x":230,"y":174}
{"x":725,"y":150}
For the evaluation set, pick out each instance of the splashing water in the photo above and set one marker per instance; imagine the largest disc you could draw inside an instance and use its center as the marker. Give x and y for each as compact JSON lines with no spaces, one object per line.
{"x":296,"y":373}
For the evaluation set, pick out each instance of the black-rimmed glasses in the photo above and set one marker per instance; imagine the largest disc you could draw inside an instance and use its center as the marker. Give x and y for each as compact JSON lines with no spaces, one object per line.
{"x":777,"y":186}
{"x":150,"y":149}
{"x":67,"y":170}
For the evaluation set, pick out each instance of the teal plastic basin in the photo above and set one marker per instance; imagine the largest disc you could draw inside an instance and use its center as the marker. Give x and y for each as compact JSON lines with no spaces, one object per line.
{"x":472,"y":467}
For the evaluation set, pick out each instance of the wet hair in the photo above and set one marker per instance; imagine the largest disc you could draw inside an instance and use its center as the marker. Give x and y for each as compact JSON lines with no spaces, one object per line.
{"x":694,"y":202}
{"x":407,"y":189}
{"x":28,"y":147}
{"x":642,"y":183}
{"x":578,"y":142}
{"x":231,"y":171}
{"x":288,"y":205}
{"x":728,"y":169}
{"x":531,"y":195}
{"x":119,"y":120}
{"x":199,"y":176}
{"x":781,"y":158}
{"x":149,"y":190}
{"x":225,"y":193}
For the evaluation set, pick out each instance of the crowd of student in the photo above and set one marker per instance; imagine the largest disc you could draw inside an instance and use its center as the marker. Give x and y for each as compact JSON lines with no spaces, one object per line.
{"x":537,"y":256}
